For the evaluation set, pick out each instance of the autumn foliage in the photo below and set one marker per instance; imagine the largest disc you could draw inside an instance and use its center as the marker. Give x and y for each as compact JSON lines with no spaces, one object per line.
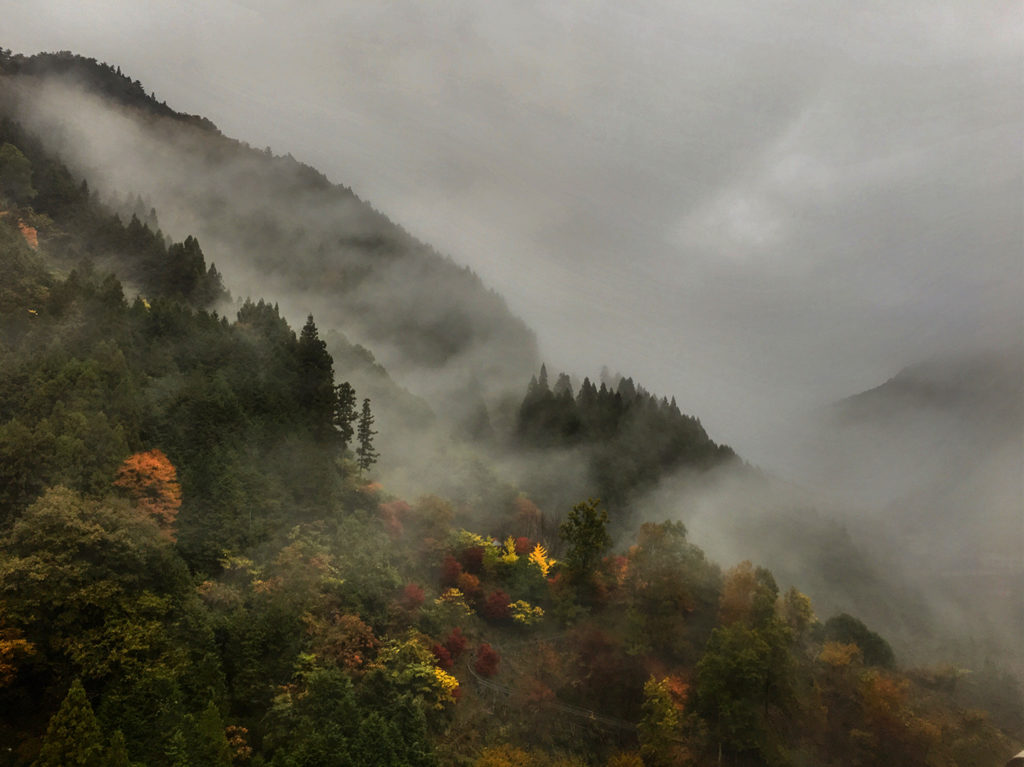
{"x":391,"y":514}
{"x":473,"y":559}
{"x":737,"y":593}
{"x":455,"y":643}
{"x":450,"y":571}
{"x":342,"y":639}
{"x":412,"y":596}
{"x":527,"y":516}
{"x":327,"y":614}
{"x":540,"y":559}
{"x":151,"y":481}
{"x":30,"y":234}
{"x":469,"y":585}
{"x":13,"y":648}
{"x":497,"y":606}
{"x":444,"y":658}
{"x":238,"y":740}
{"x":487,"y":660}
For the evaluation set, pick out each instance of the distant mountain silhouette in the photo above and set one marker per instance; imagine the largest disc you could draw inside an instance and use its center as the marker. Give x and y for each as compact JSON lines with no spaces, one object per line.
{"x":984,"y":387}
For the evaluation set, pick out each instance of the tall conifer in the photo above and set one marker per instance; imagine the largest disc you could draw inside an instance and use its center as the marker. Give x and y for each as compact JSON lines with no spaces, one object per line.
{"x":212,"y":747}
{"x":73,"y":735}
{"x":316,"y":393}
{"x":345,"y":413}
{"x":365,"y":454}
{"x":117,"y":755}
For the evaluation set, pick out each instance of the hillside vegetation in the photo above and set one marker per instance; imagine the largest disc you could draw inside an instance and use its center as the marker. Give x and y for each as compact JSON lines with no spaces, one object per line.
{"x":198,"y":565}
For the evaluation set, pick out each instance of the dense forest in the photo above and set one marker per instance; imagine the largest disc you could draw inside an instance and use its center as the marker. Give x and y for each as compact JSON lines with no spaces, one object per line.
{"x":630,"y":437}
{"x":200,"y":566}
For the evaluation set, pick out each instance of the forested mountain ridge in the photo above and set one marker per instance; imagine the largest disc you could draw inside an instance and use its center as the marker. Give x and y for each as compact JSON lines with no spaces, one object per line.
{"x":628,"y":438}
{"x":655,"y":438}
{"x":195,"y":569}
{"x":100,"y":77}
{"x":38,"y":189}
{"x":276,"y":225}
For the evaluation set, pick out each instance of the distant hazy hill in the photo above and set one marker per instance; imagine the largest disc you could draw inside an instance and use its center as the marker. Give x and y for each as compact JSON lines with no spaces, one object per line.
{"x":937,"y":453}
{"x":275,"y":226}
{"x":935,"y":421}
{"x":950,"y":434}
{"x":983,"y":389}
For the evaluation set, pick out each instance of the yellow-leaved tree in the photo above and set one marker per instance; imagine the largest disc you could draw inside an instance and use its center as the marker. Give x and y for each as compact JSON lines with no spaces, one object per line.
{"x":540,"y":559}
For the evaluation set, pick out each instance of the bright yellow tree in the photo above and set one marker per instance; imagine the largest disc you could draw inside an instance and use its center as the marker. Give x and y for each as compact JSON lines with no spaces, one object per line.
{"x":540,"y":559}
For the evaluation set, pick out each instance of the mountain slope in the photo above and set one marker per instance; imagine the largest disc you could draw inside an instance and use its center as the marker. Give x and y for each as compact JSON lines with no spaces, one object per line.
{"x":277,"y":227}
{"x":274,"y":226}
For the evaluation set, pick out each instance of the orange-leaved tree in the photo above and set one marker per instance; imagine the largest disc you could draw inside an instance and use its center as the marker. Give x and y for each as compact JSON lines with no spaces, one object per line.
{"x":151,"y":481}
{"x":13,"y":650}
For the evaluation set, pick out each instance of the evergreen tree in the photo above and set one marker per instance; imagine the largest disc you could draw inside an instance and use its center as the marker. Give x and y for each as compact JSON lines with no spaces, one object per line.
{"x":345,"y":413}
{"x":587,"y":397}
{"x":731,"y":687}
{"x":212,"y":747}
{"x":849,"y":630}
{"x":315,"y":728}
{"x":176,"y":751}
{"x":316,"y":382}
{"x":365,"y":453}
{"x":73,"y":735}
{"x":563,"y":386}
{"x":549,"y":417}
{"x":186,"y":267}
{"x":117,"y":754}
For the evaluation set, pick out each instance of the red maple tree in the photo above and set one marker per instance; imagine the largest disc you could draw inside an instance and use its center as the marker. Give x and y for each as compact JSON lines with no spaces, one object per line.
{"x":487,"y":660}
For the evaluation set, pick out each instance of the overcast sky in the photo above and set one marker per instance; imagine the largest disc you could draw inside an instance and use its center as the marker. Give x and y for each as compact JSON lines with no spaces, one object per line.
{"x":755,"y":207}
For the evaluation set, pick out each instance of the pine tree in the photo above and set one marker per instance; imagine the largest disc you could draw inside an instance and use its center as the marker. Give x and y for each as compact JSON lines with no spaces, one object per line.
{"x":365,"y":454}
{"x":542,"y":382}
{"x":563,"y":386}
{"x":316,"y":394}
{"x":73,"y":735}
{"x":345,"y":413}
